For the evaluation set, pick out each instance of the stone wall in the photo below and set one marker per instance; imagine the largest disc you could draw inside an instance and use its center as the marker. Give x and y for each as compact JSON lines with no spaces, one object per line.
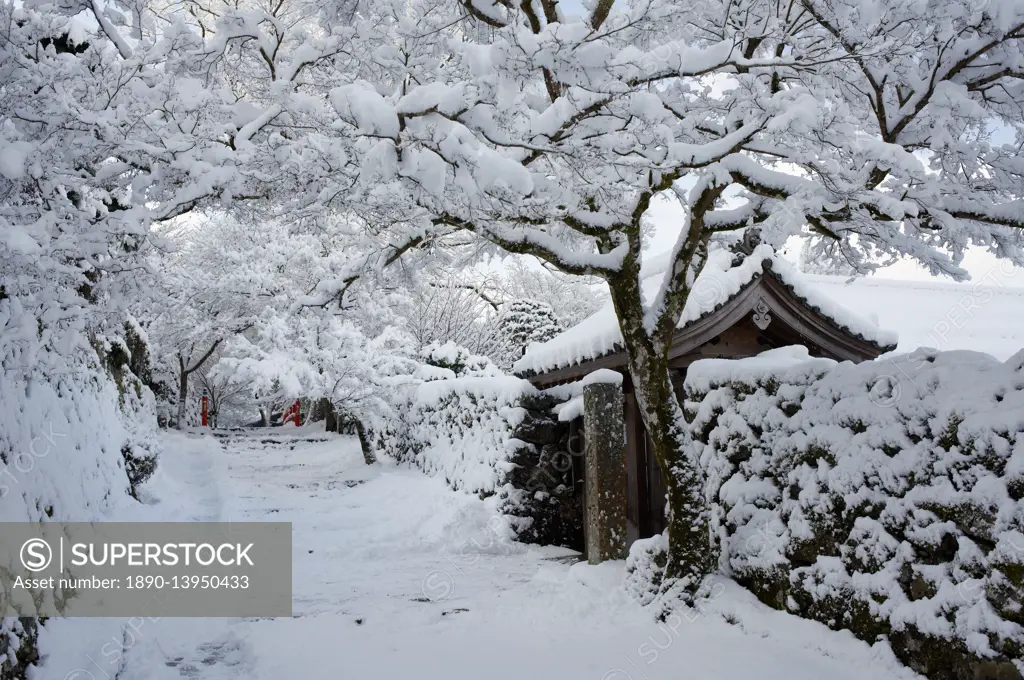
{"x":548,"y":473}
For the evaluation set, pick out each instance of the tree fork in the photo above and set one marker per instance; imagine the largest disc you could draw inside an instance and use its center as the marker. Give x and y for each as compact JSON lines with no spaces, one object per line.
{"x":690,"y":553}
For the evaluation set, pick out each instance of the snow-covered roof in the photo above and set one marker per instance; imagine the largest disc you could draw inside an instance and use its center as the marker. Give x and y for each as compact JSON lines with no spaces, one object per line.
{"x":719,"y":282}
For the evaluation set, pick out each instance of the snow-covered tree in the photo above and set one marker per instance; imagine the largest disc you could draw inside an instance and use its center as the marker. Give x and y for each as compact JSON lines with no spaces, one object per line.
{"x":208,"y":290}
{"x":869,"y":123}
{"x":452,"y":308}
{"x":315,"y":357}
{"x":473,"y":307}
{"x":460,"y":361}
{"x":523,"y":322}
{"x":571,"y":298}
{"x":229,"y":401}
{"x":822,"y":256}
{"x":233,"y":311}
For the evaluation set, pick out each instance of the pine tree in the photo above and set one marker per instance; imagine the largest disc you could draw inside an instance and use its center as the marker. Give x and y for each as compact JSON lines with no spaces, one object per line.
{"x":523,"y":322}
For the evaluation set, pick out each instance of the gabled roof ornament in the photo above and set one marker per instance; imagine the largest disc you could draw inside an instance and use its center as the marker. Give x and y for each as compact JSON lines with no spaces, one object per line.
{"x":761,"y":316}
{"x":751,"y":240}
{"x":746,"y":245}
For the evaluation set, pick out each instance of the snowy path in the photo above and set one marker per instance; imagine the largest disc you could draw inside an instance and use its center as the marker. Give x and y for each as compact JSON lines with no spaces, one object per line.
{"x":395,"y":576}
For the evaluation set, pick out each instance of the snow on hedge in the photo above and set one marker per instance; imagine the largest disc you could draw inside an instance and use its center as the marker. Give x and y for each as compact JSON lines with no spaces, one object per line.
{"x":719,"y":281}
{"x":883,"y":497}
{"x":64,"y":435}
{"x":75,"y":433}
{"x":459,"y":429}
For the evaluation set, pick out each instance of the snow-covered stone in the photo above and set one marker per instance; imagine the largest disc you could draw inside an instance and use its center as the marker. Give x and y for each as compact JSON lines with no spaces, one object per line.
{"x":602,"y":376}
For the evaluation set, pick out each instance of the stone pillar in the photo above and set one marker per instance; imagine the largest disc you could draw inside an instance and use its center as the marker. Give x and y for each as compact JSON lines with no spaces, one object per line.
{"x":605,"y":462}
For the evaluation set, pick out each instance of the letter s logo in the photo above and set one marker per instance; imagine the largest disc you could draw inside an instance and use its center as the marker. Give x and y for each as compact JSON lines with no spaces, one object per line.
{"x":36,"y":554}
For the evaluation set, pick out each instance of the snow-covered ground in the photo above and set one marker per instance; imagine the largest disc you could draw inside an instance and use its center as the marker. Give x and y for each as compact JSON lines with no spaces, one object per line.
{"x":396,"y":576}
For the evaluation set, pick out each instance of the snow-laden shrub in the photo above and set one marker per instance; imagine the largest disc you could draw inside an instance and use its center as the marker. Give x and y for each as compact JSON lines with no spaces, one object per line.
{"x":459,"y":429}
{"x":62,"y":443}
{"x":883,"y":497}
{"x":645,"y":567}
{"x":126,"y":360}
{"x":19,"y":648}
{"x":459,"y":360}
{"x":77,"y":434}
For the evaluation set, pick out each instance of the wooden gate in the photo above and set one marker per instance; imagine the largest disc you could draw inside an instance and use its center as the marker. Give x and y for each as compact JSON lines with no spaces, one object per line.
{"x":645,"y":498}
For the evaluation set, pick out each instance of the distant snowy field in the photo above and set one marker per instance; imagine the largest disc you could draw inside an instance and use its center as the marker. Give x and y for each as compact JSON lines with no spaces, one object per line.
{"x":983,"y":315}
{"x":397,"y":576}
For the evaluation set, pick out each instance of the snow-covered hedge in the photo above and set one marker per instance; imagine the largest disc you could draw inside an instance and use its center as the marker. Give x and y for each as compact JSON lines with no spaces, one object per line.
{"x":65,"y":435}
{"x":497,"y":437}
{"x":459,"y":429}
{"x":77,"y":432}
{"x":883,"y":497}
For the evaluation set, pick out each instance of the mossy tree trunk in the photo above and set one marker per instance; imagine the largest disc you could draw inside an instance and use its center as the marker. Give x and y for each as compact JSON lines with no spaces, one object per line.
{"x":647,"y":339}
{"x":364,"y":443}
{"x":330,"y":416}
{"x":691,"y":556}
{"x":179,"y":421}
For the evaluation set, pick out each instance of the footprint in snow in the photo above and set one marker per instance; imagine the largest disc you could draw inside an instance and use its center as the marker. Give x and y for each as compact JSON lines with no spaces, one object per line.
{"x":230,"y":654}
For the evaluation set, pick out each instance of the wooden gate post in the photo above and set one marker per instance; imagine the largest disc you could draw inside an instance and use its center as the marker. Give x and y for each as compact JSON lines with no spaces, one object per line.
{"x":605,"y":462}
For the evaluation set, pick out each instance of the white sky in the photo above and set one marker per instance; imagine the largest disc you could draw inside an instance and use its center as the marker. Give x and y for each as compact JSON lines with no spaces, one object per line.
{"x":667,"y":216}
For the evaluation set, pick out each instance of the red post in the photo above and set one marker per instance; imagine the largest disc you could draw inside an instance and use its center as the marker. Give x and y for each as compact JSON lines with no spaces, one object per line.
{"x":292,"y":414}
{"x":206,"y":410}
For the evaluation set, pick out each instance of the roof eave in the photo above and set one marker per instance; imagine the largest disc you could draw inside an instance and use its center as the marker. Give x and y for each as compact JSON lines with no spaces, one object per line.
{"x":837,"y":341}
